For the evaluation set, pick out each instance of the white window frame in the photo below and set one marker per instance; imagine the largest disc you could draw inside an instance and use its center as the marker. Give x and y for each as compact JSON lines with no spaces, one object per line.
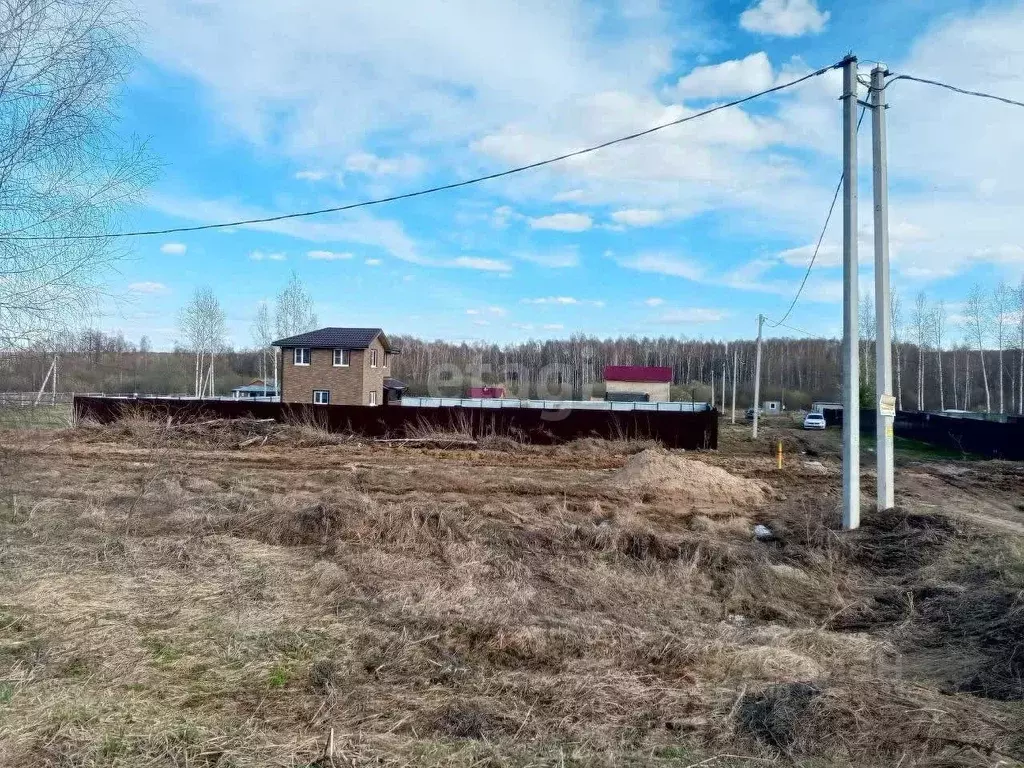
{"x":346,"y":358}
{"x":373,"y":397}
{"x":326,"y":401}
{"x":373,"y":358}
{"x":297,"y":356}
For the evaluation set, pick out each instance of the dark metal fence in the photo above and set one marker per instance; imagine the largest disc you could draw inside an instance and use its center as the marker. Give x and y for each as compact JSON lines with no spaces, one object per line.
{"x":997,"y":440}
{"x":687,"y":430}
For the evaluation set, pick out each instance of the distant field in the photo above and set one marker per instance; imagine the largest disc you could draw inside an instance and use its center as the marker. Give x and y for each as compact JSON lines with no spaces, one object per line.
{"x":199,"y":597}
{"x":35,"y":417}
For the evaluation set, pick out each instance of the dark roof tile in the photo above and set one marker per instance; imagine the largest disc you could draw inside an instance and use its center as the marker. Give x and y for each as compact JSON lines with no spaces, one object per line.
{"x":337,"y":338}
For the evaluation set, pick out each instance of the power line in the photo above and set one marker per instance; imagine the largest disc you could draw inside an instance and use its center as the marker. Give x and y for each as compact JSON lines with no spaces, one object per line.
{"x":794,"y":328}
{"x":441,"y":188}
{"x":821,"y":237}
{"x":955,"y":89}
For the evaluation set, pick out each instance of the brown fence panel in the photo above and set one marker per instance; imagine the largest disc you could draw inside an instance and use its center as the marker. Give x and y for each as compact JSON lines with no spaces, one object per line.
{"x":674,"y":429}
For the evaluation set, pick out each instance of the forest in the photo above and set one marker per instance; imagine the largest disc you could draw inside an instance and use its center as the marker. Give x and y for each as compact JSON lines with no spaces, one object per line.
{"x":794,"y":369}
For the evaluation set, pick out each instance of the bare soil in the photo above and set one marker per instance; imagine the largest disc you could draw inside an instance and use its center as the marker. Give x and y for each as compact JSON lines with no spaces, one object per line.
{"x":197,"y":598}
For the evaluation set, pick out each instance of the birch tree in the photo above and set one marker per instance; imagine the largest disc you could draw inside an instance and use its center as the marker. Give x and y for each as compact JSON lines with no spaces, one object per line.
{"x":938,"y":328}
{"x":977,"y":321}
{"x":896,"y":322}
{"x":63,"y":170}
{"x":1001,"y":306}
{"x":262,"y":335}
{"x":294,"y":312}
{"x":1020,"y":346}
{"x":867,"y":336}
{"x":921,"y":332}
{"x":204,"y":326}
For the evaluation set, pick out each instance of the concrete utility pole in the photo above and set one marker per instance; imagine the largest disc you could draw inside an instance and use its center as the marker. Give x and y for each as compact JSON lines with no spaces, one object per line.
{"x":884,"y":415}
{"x":851,"y":365}
{"x":735,"y":360}
{"x":725,"y":368}
{"x":757,"y":375}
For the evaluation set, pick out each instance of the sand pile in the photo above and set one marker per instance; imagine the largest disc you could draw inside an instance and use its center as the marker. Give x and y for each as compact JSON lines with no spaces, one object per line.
{"x":688,"y":480}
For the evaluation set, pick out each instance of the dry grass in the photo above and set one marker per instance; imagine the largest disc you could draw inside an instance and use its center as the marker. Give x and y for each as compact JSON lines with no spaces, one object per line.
{"x":165,"y":601}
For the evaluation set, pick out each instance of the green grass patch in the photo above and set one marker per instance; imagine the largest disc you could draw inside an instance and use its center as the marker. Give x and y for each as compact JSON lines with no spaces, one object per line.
{"x":163,"y":652}
{"x":6,"y":693}
{"x":278,"y":676}
{"x":35,"y":417}
{"x":906,"y":448}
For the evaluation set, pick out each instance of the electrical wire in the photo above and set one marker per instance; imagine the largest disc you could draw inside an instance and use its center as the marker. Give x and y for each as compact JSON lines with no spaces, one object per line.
{"x":821,"y":237}
{"x":431,"y":190}
{"x":955,"y":89}
{"x":794,"y":328}
{"x":839,"y":186}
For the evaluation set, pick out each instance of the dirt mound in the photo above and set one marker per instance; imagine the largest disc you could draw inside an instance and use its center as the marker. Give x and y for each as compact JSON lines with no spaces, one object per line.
{"x":659,"y":472}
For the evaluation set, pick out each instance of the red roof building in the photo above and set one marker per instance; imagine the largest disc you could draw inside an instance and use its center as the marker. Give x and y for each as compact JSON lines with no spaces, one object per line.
{"x":648,"y":374}
{"x":487,"y":392}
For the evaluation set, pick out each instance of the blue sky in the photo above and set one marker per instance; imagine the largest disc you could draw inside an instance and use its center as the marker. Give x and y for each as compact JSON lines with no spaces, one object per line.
{"x":253,"y":109}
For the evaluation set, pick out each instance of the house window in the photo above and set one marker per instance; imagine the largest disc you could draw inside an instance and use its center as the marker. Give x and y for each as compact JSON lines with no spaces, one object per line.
{"x":373,"y":397}
{"x":387,"y":359}
{"x":302,"y":356}
{"x":321,"y":397}
{"x":342,"y":358}
{"x":373,"y":358}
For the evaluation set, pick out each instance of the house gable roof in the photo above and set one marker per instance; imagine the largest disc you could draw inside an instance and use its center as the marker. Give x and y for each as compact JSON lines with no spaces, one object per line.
{"x":337,"y":338}
{"x":649,"y":374}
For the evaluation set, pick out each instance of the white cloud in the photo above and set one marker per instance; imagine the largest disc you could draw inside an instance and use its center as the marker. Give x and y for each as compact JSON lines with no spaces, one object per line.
{"x":663,"y":264}
{"x":564,"y":257}
{"x":329,"y":255}
{"x":654,"y":301}
{"x":481,"y":322}
{"x":476,"y":262}
{"x":564,"y":301}
{"x":472,"y":311}
{"x":637,"y":217}
{"x":311,"y":175}
{"x":373,"y":262}
{"x":353,"y":227}
{"x":737,"y":77}
{"x":149,"y":288}
{"x":553,"y":326}
{"x":502,"y":215}
{"x":785,"y":18}
{"x":372,"y":165}
{"x":828,"y":256}
{"x":327,"y":80}
{"x":173,"y":249}
{"x":693,"y":315}
{"x":731,"y":161}
{"x":569,"y":196}
{"x":563,"y":222}
{"x":261,"y":256}
{"x":496,"y":311}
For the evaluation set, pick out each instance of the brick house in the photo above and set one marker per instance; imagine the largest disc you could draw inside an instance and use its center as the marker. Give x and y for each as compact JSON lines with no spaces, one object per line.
{"x":339,"y":366}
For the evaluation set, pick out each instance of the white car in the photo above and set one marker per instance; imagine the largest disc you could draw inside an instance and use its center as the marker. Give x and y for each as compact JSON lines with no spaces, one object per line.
{"x":814,"y":421}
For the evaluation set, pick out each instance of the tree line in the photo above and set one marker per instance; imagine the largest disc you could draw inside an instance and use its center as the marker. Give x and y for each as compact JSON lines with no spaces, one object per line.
{"x":981,"y":368}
